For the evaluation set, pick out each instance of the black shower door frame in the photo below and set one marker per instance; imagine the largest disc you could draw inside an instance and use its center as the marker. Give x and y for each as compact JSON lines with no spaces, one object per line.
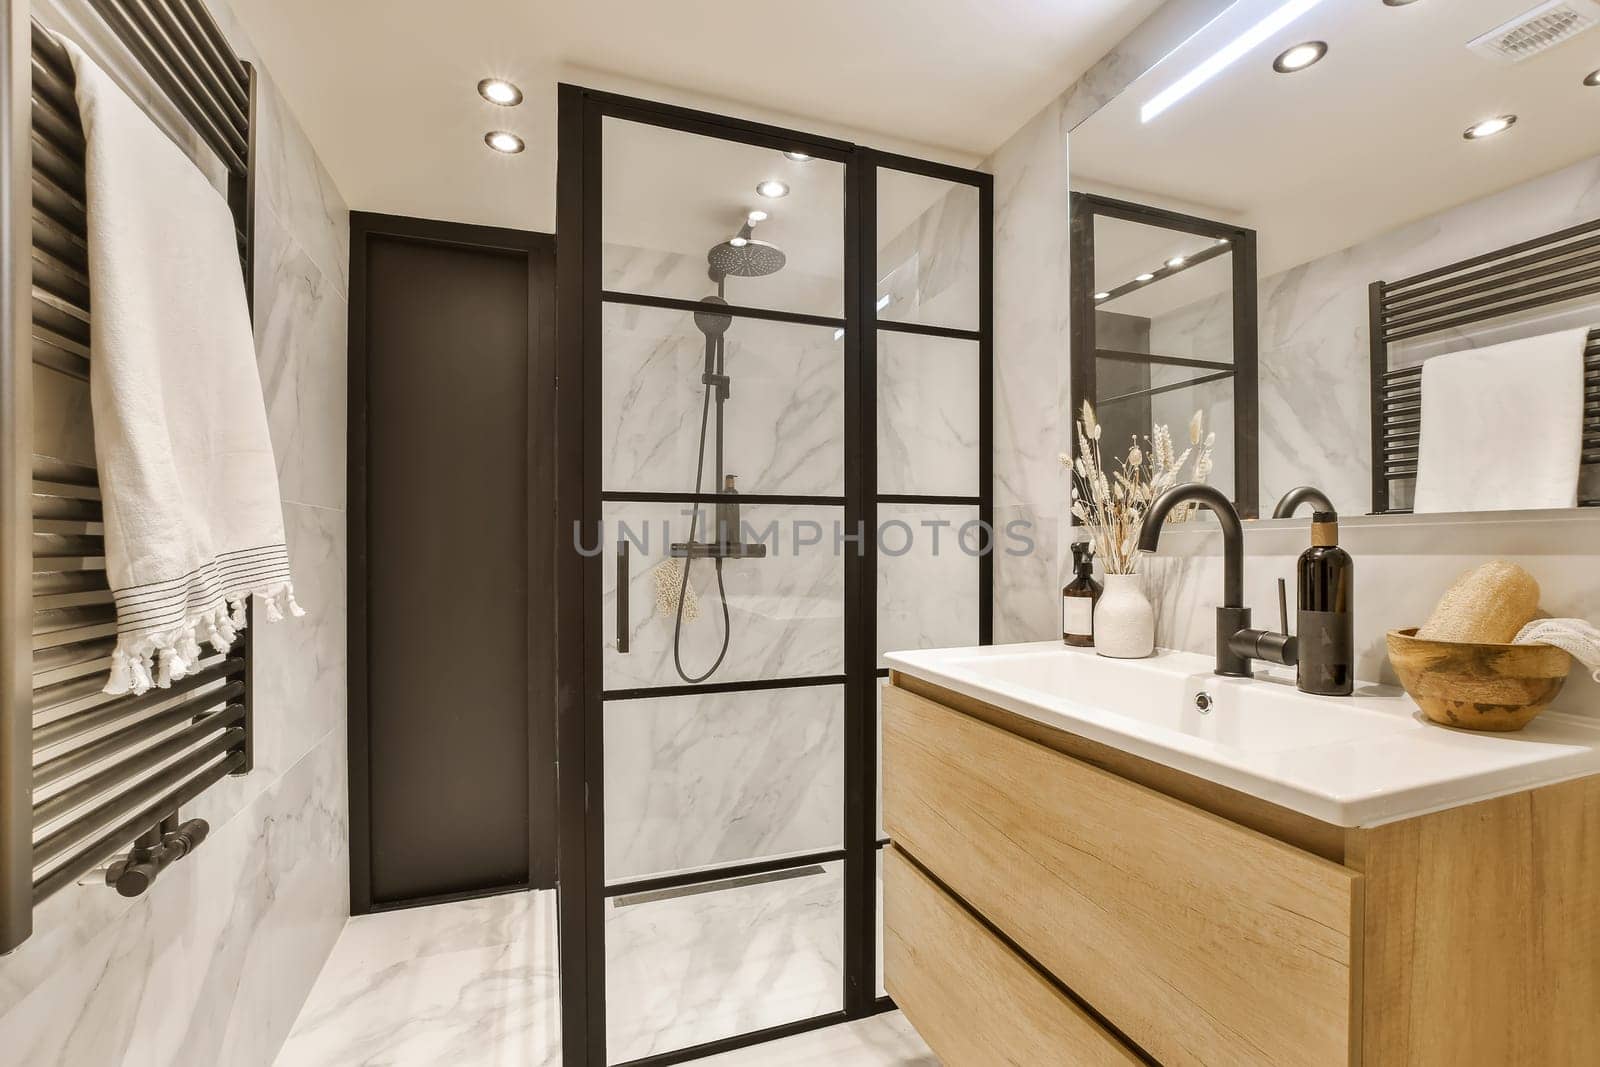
{"x":580,"y":501}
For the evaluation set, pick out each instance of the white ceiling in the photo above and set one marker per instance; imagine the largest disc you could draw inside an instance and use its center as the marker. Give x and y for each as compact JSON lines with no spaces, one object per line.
{"x":1357,"y":145}
{"x":385,"y":88}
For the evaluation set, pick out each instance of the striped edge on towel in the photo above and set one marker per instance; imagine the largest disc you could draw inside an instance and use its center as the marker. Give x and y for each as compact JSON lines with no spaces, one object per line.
{"x":160,"y":624}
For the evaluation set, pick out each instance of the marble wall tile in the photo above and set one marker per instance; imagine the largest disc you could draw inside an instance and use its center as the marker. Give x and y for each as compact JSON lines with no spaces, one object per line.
{"x":300,"y":323}
{"x":927,"y":417}
{"x":1031,"y":252}
{"x":692,"y":781}
{"x":1027,"y":585}
{"x":783,"y":420}
{"x":929,"y":269}
{"x":298,"y":188}
{"x":211,"y":966}
{"x":927,"y":576}
{"x":786,"y":610}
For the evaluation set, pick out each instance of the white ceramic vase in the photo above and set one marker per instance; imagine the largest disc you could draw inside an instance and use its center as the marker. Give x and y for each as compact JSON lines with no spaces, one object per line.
{"x":1124,"y":621}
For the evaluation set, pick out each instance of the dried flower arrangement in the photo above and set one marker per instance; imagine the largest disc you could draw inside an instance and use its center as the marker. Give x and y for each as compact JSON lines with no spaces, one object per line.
{"x":1112,"y":508}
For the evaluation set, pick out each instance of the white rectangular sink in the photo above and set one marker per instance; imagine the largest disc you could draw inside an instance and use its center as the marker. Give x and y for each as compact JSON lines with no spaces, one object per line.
{"x":1167,"y":692}
{"x":1350,"y":761}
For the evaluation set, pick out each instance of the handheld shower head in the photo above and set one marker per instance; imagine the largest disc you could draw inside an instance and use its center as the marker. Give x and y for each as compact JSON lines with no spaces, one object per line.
{"x":711,"y":323}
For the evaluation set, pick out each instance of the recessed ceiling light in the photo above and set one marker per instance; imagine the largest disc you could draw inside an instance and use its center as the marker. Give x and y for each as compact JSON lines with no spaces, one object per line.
{"x":501,"y":141}
{"x":756,"y":216}
{"x":1225,"y":57}
{"x":1300,"y":57}
{"x":1489,"y":127}
{"x":1101,"y":296}
{"x":798,"y":157}
{"x":1593,"y":79}
{"x":772,"y":188}
{"x":499,"y":91}
{"x":1177,"y":261}
{"x":1145,"y":278}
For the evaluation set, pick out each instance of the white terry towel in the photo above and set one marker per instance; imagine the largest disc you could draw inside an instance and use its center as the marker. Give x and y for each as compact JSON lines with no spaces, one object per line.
{"x":1502,"y":427}
{"x":193,"y":525}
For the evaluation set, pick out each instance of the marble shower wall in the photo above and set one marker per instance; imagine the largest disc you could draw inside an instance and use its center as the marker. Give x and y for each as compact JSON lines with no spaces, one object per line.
{"x":211,"y":965}
{"x":699,"y":781}
{"x":1315,"y":409}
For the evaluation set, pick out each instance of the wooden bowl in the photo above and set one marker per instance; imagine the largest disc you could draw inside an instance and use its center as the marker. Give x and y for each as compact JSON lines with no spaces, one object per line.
{"x":1478,"y":687}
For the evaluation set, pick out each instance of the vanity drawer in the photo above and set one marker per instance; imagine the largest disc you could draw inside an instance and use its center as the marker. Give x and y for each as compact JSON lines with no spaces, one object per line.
{"x":1202,"y":941}
{"x":974,"y":1000}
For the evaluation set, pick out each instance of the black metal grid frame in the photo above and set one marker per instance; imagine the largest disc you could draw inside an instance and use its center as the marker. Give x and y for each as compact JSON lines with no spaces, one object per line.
{"x":580,"y":500}
{"x":1085,"y":351}
{"x":1527,"y":276}
{"x":131,"y":780}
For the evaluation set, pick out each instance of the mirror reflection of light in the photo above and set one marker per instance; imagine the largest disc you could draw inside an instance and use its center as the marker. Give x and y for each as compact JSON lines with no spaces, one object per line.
{"x":1102,"y":296}
{"x":1225,"y":57}
{"x":1145,"y":277}
{"x":884,"y":301}
{"x":1176,"y":261}
{"x":772,"y":189}
{"x":1300,"y":57}
{"x":755,"y":217}
{"x":738,"y":242}
{"x":1593,"y":79}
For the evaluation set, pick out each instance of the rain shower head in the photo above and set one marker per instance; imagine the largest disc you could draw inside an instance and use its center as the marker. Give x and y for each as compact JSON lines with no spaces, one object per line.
{"x":752,"y":259}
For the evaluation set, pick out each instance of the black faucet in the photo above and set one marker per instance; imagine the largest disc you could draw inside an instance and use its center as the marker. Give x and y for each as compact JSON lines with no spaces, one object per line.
{"x":1302,"y":494}
{"x":1237,"y":642}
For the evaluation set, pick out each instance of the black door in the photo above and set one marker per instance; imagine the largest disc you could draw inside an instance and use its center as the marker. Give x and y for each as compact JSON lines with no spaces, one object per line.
{"x":452,"y":683}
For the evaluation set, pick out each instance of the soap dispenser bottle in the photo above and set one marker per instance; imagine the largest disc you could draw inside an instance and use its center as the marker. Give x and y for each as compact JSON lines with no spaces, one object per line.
{"x":1078,"y":599}
{"x":1325,"y":579}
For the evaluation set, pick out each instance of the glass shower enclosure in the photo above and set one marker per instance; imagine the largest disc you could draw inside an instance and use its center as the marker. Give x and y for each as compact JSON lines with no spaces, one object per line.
{"x":775,"y":352}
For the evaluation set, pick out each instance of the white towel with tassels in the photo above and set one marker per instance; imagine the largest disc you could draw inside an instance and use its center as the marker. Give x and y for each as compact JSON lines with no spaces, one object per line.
{"x":193,"y":524}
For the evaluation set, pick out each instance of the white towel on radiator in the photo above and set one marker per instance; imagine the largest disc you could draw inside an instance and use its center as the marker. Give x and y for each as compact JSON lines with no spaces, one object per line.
{"x":193,"y":525}
{"x":1502,"y":426}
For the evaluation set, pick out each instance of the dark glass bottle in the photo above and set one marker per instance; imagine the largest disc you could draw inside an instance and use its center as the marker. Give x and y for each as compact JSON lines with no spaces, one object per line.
{"x":1079,"y":597}
{"x":1325,"y":580}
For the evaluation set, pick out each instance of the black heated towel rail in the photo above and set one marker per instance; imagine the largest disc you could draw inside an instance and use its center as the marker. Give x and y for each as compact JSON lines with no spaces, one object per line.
{"x":1546,"y":271}
{"x":86,"y":778}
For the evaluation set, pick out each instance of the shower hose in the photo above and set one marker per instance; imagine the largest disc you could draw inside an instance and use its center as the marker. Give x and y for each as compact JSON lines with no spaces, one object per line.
{"x":688,"y":561}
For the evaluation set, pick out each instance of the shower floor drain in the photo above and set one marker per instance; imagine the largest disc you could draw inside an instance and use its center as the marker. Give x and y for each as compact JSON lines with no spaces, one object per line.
{"x":714,"y":887}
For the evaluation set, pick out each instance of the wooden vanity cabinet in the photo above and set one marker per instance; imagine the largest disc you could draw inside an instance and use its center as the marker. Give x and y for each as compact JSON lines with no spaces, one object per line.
{"x":1051,"y":900}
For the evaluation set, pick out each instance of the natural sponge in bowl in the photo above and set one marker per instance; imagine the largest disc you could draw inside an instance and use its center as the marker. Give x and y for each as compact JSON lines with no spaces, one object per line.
{"x":1486,"y":605}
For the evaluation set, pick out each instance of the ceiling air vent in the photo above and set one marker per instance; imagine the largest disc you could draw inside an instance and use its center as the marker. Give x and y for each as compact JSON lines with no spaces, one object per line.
{"x":1538,"y":30}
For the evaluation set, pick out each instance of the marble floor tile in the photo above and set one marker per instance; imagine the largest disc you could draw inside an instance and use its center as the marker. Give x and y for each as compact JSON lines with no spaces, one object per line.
{"x":476,"y":983}
{"x":471,"y":984}
{"x":886,"y":1040}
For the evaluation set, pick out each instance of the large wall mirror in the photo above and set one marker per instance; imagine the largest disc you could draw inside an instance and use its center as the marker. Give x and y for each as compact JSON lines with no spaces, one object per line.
{"x":1419,"y":182}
